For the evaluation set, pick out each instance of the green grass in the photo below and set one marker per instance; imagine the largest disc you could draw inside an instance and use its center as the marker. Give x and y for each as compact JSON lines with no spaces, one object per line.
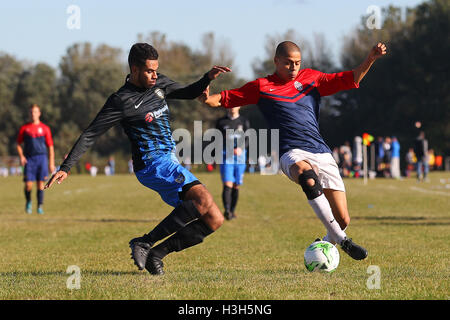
{"x":89,"y":221}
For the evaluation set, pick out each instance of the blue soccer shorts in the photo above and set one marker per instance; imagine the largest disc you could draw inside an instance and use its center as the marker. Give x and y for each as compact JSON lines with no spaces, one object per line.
{"x":36,"y":168}
{"x":168,"y":177}
{"x":232,"y":170}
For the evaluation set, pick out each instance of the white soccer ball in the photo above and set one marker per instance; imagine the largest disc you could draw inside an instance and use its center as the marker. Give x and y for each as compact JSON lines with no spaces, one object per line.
{"x":321,"y":256}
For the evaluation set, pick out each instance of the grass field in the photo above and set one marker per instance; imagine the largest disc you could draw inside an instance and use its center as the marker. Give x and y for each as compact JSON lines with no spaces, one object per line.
{"x":89,"y":221}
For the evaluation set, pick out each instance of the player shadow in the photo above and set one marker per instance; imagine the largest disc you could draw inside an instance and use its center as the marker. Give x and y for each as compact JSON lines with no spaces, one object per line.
{"x":406,"y":220}
{"x":64,"y":274}
{"x":88,"y":220}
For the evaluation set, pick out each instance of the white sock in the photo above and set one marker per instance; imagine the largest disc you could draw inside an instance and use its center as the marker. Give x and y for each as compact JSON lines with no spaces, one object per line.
{"x":328,"y":238}
{"x":322,"y":208}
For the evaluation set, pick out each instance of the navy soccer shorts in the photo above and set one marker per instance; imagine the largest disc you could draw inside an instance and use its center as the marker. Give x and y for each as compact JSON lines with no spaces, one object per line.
{"x":36,"y":168}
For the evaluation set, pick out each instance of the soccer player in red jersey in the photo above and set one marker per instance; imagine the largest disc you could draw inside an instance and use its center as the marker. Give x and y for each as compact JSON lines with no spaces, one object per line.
{"x":290,"y":102}
{"x":36,"y":138}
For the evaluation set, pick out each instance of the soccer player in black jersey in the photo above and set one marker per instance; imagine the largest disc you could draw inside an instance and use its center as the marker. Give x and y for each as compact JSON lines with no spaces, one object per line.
{"x":233,"y":127}
{"x":140,"y":107}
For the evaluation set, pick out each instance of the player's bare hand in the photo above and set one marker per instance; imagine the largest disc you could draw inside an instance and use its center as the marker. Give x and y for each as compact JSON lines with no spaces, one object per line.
{"x":204,"y":96}
{"x":60,"y":176}
{"x":377,"y":51}
{"x":23,"y":161}
{"x":216,"y":71}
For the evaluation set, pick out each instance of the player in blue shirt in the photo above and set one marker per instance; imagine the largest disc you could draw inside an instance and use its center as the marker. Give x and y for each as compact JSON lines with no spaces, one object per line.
{"x":140,"y":107}
{"x":233,"y":127}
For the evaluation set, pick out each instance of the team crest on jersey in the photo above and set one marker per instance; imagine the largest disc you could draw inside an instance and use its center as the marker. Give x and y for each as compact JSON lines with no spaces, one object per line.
{"x":39,"y":130}
{"x":156,"y":114}
{"x":149,"y":117}
{"x":180,"y":178}
{"x":298,"y":86}
{"x":159,"y":93}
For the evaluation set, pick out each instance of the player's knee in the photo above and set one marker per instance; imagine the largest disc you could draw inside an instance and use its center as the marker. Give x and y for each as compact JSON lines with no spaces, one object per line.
{"x":309,"y":181}
{"x":345,"y":222}
{"x":218,"y":220}
{"x":213,"y":218}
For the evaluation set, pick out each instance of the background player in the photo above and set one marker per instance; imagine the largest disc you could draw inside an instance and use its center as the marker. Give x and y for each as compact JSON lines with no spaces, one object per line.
{"x":233,"y":167}
{"x":36,"y":138}
{"x":290,"y":101}
{"x":140,"y":107}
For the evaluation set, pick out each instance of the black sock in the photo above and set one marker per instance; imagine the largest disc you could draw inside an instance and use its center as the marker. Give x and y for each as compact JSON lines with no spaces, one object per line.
{"x":40,"y":197}
{"x":27,"y":195}
{"x":189,"y":236}
{"x":177,"y":219}
{"x":234,"y":199}
{"x":226,"y":197}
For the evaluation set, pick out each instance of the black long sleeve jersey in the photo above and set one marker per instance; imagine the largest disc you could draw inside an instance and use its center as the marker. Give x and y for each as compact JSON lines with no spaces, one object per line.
{"x":144,"y":116}
{"x":239,"y":125}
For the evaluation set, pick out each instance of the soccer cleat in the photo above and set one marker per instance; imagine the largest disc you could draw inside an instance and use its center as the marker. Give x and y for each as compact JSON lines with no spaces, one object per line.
{"x":154,"y":265}
{"x":40,"y":210}
{"x":353,"y":250}
{"x":227,"y":215}
{"x":232,"y":216}
{"x":139,"y":251}
{"x":29,"y":208}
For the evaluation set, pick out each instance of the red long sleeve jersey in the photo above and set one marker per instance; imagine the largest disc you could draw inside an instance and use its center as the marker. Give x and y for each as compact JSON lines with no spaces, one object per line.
{"x":36,"y":138}
{"x":292,"y":107}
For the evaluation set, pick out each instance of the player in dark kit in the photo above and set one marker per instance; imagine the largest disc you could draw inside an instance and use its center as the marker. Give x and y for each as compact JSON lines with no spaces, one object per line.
{"x":140,"y":107}
{"x":290,"y":101}
{"x":36,"y":156}
{"x":232,"y":127}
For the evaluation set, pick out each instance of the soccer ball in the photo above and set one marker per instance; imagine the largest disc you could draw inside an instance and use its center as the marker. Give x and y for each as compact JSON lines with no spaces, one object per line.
{"x":321,"y":256}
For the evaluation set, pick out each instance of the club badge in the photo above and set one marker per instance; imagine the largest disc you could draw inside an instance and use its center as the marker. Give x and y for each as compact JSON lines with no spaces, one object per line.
{"x":159,"y":93}
{"x":298,"y":86}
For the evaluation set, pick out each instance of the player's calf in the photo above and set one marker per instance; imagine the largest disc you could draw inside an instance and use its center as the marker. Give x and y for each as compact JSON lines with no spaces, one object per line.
{"x":310,"y":184}
{"x":177,"y":219}
{"x":192,"y":234}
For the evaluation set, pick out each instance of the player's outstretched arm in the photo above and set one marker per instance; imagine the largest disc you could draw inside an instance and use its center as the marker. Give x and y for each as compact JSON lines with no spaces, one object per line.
{"x":212,"y":101}
{"x":59,"y":177}
{"x":175,"y":90}
{"x":375,"y":53}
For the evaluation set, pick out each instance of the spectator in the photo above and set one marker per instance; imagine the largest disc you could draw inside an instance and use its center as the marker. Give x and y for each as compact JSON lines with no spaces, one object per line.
{"x":421,"y":151}
{"x":130,"y":166}
{"x":379,"y":155}
{"x":345,"y":159}
{"x":431,"y":158}
{"x":410,"y":160}
{"x":395,"y":158}
{"x":387,"y":157}
{"x":112,"y":165}
{"x":438,"y":162}
{"x":336,"y":155}
{"x":357,"y":152}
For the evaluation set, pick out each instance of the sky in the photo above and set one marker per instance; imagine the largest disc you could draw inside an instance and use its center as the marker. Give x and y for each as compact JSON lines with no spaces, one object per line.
{"x":37,"y":31}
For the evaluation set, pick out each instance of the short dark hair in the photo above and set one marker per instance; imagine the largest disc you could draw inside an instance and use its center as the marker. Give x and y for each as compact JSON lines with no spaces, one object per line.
{"x":140,"y":52}
{"x":286,"y":47}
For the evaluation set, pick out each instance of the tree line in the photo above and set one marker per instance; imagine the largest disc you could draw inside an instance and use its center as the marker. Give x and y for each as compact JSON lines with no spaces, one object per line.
{"x":410,"y":84}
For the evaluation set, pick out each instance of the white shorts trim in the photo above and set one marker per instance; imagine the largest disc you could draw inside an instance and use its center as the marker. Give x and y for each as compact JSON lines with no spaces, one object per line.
{"x":322,"y":163}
